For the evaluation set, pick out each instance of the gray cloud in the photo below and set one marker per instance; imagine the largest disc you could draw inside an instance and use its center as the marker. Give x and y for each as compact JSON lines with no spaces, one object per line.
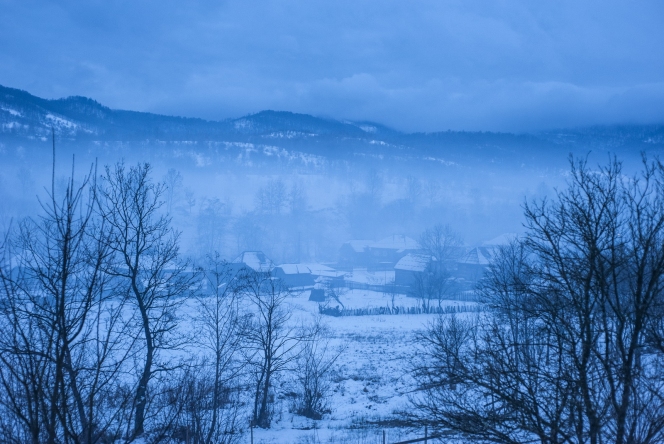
{"x":418,"y":66}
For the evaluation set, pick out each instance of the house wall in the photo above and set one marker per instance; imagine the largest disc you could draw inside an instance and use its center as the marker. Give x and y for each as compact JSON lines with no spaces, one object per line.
{"x":295,"y":280}
{"x":349,"y":257}
{"x":405,"y":278}
{"x":470,"y":272}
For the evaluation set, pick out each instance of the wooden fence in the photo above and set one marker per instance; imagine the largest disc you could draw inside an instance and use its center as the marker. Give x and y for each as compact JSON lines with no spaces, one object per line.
{"x":376,"y":311}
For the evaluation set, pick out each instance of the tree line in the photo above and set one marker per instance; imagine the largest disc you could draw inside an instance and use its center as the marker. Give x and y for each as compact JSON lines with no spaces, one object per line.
{"x":570,"y":348}
{"x":107,"y":334}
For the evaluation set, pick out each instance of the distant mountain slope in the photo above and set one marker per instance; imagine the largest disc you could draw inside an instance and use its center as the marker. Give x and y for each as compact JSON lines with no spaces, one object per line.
{"x":82,"y":118}
{"x":24,"y":117}
{"x":22,"y":114}
{"x":609,"y":137}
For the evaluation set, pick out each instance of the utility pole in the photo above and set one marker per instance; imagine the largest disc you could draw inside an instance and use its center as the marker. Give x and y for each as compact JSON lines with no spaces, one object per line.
{"x":53,"y":169}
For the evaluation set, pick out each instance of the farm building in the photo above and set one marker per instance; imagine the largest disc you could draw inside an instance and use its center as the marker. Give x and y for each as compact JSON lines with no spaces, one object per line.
{"x":473,"y":265}
{"x":304,"y":275}
{"x":355,"y":253}
{"x":409,"y":266}
{"x":317,"y":295}
{"x":388,"y":251}
{"x":253,"y":260}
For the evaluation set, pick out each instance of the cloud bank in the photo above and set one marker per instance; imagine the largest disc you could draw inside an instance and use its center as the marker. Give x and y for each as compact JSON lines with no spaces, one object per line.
{"x":417,"y":66}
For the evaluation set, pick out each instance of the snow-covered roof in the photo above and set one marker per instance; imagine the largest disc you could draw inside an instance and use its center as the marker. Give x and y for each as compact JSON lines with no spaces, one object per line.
{"x":256,"y":260}
{"x":413,"y":262}
{"x":503,"y":239}
{"x":294,"y":269}
{"x":397,"y":242}
{"x":362,"y":276}
{"x":323,"y":270}
{"x":359,"y":245}
{"x":312,"y":268}
{"x":478,"y":256}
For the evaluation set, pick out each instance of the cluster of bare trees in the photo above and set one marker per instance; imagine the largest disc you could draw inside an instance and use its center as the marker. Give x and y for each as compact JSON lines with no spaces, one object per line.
{"x":442,"y":248}
{"x":571,"y":348}
{"x":108,"y":335}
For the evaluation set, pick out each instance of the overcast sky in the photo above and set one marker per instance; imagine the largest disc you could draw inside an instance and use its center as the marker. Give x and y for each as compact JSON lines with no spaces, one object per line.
{"x":413,"y":65}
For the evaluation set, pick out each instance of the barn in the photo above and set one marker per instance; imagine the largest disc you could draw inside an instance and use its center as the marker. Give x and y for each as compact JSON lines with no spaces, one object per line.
{"x":355,"y":253}
{"x":409,"y":267}
{"x":475,"y":263}
{"x":304,"y":275}
{"x":252,"y":260}
{"x":388,"y":251}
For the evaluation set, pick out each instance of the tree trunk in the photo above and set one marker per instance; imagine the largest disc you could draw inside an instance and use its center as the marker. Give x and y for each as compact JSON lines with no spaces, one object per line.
{"x":141,"y":390}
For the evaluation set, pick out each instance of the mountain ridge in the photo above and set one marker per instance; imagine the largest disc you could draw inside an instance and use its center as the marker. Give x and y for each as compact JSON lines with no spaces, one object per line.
{"x":78,"y":119}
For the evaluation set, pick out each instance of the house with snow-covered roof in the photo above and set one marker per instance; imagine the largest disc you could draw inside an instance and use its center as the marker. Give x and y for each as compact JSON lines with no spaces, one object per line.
{"x":474,"y":264}
{"x":409,"y":267}
{"x":252,"y":260}
{"x":305,"y":275}
{"x":388,"y":251}
{"x":397,"y":242}
{"x":355,"y":253}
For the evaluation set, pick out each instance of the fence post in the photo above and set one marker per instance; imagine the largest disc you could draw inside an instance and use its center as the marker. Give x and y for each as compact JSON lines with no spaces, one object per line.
{"x":384,"y":442}
{"x":426,"y":434}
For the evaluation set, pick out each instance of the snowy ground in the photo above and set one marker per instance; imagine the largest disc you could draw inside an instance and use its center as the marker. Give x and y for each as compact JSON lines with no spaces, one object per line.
{"x":364,"y":276}
{"x":371,"y":381}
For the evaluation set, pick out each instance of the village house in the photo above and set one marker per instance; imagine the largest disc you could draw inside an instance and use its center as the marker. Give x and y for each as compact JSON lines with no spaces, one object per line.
{"x":409,"y":267}
{"x":251,"y":260}
{"x":305,"y":275}
{"x":475,"y":263}
{"x":355,"y":253}
{"x":385,"y":253}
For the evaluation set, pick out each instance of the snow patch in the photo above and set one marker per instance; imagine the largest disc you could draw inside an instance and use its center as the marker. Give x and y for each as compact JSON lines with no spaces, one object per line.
{"x":289,"y":135}
{"x":61,"y":122}
{"x":242,"y":124}
{"x":12,"y":125}
{"x":443,"y":161}
{"x":13,"y":112}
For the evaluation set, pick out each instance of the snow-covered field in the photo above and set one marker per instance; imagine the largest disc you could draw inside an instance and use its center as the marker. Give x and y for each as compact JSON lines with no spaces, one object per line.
{"x":370,"y":382}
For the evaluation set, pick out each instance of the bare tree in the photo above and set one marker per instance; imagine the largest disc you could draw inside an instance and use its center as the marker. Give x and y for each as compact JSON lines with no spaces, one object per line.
{"x":313,"y":365}
{"x":24,"y":351}
{"x":146,"y":260}
{"x":413,"y":189}
{"x":391,"y":291}
{"x":432,"y":192}
{"x":334,"y":291}
{"x":61,"y":348}
{"x":374,"y":186}
{"x":219,"y":324}
{"x":442,"y":243}
{"x":270,"y":340}
{"x":212,"y":219}
{"x":444,"y":247}
{"x":565,"y":353}
{"x":189,"y":199}
{"x":172,"y":185}
{"x":430,"y":285}
{"x":272,"y":198}
{"x":297,"y":199}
